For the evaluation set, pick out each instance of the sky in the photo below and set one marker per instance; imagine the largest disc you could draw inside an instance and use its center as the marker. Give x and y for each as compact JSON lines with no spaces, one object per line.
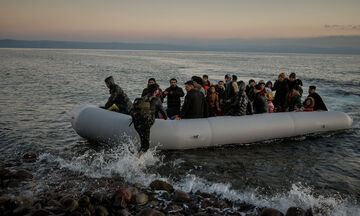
{"x":159,"y":20}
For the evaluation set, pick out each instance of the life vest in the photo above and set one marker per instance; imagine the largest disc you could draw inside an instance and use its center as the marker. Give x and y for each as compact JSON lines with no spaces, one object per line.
{"x":142,"y":108}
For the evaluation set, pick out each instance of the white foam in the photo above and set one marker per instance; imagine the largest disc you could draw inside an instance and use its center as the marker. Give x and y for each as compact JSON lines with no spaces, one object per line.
{"x":120,"y":161}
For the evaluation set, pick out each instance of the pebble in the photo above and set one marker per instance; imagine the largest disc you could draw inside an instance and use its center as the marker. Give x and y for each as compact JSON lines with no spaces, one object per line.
{"x":101,"y":211}
{"x":161,"y":185}
{"x":30,"y":185}
{"x":69,"y":204}
{"x":150,"y":212}
{"x":84,"y":201}
{"x":271,"y":212}
{"x":181,"y":196}
{"x":207,"y":203}
{"x":124,"y":212}
{"x":121,"y":197}
{"x":295,"y":211}
{"x":22,"y":175}
{"x":141,"y":199}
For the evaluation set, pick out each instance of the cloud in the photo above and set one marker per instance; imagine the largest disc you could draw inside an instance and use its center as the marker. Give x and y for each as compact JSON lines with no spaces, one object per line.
{"x":343,"y":27}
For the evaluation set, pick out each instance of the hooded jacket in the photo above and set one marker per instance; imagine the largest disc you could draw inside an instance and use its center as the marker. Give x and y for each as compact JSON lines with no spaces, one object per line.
{"x":118,"y":97}
{"x":319,"y":103}
{"x":240,"y":104}
{"x":194,"y":105}
{"x":282,"y":90}
{"x":260,"y":104}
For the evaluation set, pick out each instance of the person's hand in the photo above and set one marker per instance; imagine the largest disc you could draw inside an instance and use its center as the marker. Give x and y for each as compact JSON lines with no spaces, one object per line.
{"x":177,"y":118}
{"x":171,"y":92}
{"x":167,"y":118}
{"x":165,"y":92}
{"x":219,"y":110}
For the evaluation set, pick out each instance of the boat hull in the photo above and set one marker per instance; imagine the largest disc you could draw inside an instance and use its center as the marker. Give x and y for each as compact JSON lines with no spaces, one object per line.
{"x":97,"y":124}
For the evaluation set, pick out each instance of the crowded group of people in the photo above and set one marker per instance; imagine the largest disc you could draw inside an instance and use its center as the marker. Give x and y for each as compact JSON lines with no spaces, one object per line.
{"x":204,"y":99}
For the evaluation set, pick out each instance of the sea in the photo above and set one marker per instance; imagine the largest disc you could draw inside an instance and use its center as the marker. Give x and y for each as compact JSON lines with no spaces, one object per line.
{"x":40,"y":88}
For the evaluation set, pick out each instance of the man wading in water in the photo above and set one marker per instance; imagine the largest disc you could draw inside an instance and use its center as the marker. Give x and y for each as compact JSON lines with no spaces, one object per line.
{"x":143,"y":115}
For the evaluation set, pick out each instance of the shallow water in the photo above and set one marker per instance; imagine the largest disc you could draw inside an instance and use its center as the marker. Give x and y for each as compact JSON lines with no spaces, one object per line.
{"x":41,"y":87}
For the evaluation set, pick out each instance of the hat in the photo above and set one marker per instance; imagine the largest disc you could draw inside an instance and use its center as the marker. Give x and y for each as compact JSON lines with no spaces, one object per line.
{"x":261,"y":82}
{"x":197,"y":79}
{"x":312,"y":87}
{"x":228,"y":75}
{"x":282,"y":75}
{"x":292,"y":75}
{"x":257,"y":87}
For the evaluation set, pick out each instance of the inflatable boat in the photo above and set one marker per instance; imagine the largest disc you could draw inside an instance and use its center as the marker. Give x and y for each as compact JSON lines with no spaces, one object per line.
{"x":97,"y":124}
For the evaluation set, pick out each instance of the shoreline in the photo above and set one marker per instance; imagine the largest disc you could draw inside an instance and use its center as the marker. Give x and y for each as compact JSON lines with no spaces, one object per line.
{"x":113,"y":196}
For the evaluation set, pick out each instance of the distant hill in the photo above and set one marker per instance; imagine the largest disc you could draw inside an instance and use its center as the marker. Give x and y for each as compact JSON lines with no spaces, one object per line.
{"x":331,"y":45}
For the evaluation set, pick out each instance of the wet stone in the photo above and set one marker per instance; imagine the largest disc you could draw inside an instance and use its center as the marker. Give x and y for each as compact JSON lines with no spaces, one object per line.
{"x":22,"y":175}
{"x":121,"y":197}
{"x":141,"y":199}
{"x":181,"y":196}
{"x":69,"y":204}
{"x":84,"y":201}
{"x":271,"y":212}
{"x":4,"y":173}
{"x":295,"y":211}
{"x":124,"y":212}
{"x":101,"y":211}
{"x":30,"y":185}
{"x":173,"y":208}
{"x":150,"y":212}
{"x":98,"y":197}
{"x":29,"y":157}
{"x":204,"y":195}
{"x":161,"y":185}
{"x":21,"y":210}
{"x":138,"y":185}
{"x":206,"y":203}
{"x":221,"y":204}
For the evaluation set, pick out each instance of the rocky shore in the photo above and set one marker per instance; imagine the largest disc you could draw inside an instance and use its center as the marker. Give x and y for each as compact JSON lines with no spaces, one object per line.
{"x":108,"y":196}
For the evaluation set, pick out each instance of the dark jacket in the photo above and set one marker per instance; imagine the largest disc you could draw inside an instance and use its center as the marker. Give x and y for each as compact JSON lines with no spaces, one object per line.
{"x":157,"y":107}
{"x":159,"y":94}
{"x":250,"y":92}
{"x":173,"y":96}
{"x":319,"y":103}
{"x":282,"y":90}
{"x":293,"y":100}
{"x":194,"y":105}
{"x":240,"y":104}
{"x":119,"y":98}
{"x":294,"y":83}
{"x":260,"y":104}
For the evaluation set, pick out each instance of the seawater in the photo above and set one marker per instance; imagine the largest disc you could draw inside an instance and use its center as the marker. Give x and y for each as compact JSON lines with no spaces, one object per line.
{"x":41,"y":87}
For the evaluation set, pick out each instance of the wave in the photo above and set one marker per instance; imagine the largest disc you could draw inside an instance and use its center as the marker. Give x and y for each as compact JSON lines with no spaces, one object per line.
{"x":120,"y":161}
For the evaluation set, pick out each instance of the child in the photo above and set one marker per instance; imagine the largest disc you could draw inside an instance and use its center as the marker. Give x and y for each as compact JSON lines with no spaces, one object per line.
{"x":309,"y":104}
{"x":270,"y":98}
{"x":212,"y":99}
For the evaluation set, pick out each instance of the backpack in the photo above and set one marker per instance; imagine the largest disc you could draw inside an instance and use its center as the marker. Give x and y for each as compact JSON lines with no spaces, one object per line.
{"x":141,"y":108}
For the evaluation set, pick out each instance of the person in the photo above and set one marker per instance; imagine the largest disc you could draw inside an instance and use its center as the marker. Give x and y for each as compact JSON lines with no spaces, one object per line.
{"x":281,"y":89}
{"x":240,"y":105}
{"x":260,"y":104}
{"x":198,"y":82}
{"x":319,"y":103}
{"x":262,"y":85}
{"x":194,"y":103}
{"x":159,"y":94}
{"x":293,"y":100}
{"x":212,"y":99}
{"x":269,"y":85}
{"x":220,"y":89}
{"x":173,"y":94}
{"x":250,"y":90}
{"x":206,"y":83}
{"x":143,"y":115}
{"x":309,"y":104}
{"x":270,"y":98}
{"x":231,"y":89}
{"x":292,"y":81}
{"x":118,"y":100}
